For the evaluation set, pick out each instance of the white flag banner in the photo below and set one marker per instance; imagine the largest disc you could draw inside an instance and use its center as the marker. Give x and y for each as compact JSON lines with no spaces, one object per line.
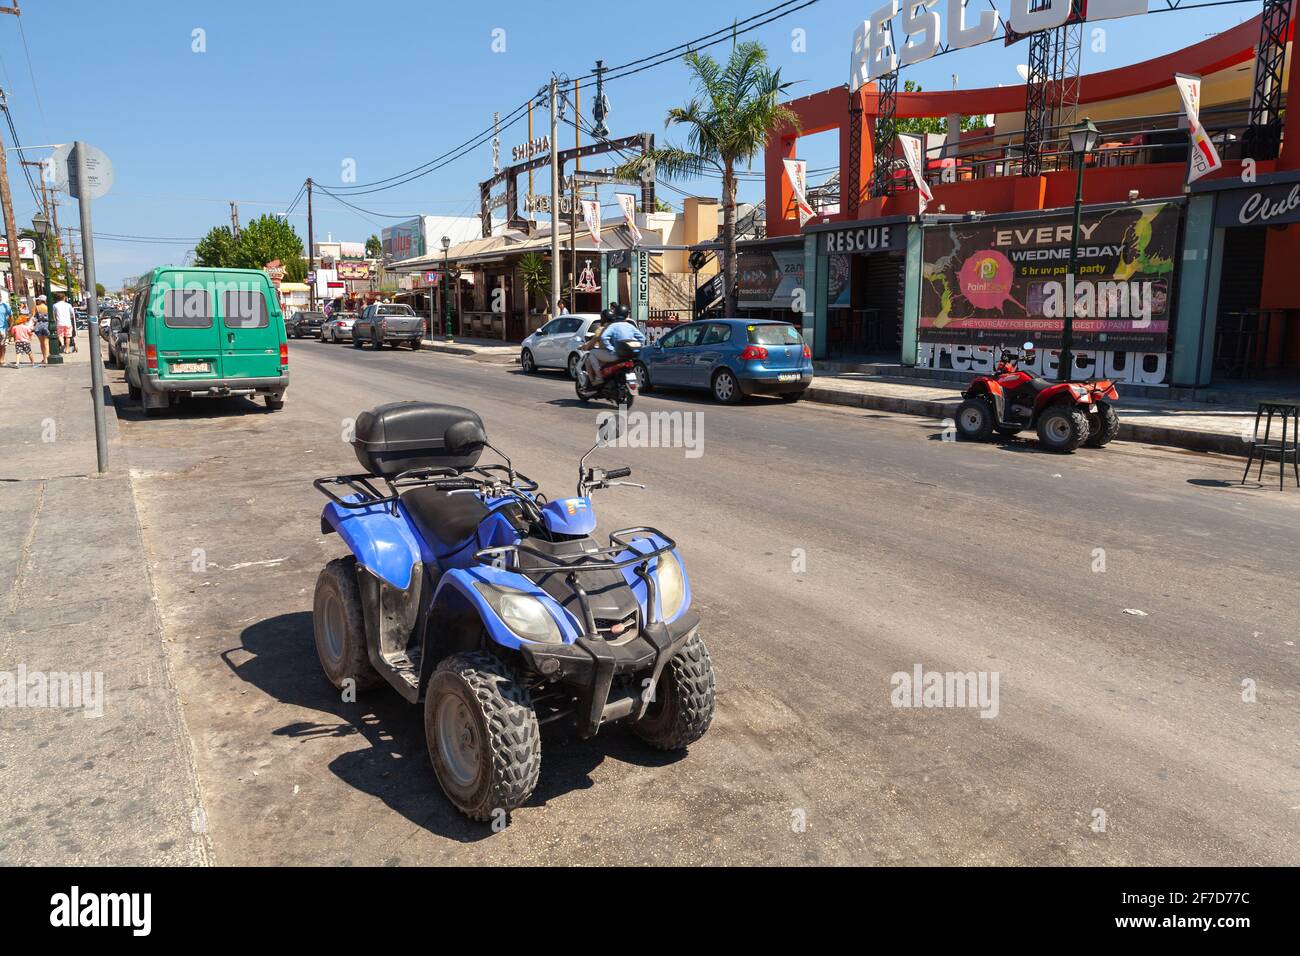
{"x":796,"y":171}
{"x":1204,"y":158}
{"x":912,"y":153}
{"x":591,"y":216}
{"x":628,"y":204}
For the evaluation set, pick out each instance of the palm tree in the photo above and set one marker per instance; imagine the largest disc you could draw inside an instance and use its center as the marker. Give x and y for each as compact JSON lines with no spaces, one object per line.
{"x":727,"y":122}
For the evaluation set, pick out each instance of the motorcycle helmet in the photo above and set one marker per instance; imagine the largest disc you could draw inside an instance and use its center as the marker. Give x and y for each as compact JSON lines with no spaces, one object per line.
{"x":622,"y":312}
{"x":607,"y":315}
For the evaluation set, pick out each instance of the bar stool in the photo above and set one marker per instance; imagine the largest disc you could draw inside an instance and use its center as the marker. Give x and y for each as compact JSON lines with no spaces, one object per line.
{"x":1289,"y":411}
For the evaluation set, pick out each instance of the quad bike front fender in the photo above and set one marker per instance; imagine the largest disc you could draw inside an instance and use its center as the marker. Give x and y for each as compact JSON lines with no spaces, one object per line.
{"x":637,"y":583}
{"x":382,"y":541}
{"x":457,"y":592}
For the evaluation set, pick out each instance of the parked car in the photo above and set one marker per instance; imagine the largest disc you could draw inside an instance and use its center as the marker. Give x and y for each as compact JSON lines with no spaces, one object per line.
{"x":303,"y":324}
{"x":555,"y":344}
{"x":209,"y":333}
{"x":732,"y":358}
{"x":119,"y":327}
{"x":388,"y":322}
{"x":338,"y":328}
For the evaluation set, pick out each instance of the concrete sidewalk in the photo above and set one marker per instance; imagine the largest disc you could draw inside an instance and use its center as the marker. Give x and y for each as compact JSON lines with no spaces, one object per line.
{"x":102,"y":776}
{"x":482,"y":350}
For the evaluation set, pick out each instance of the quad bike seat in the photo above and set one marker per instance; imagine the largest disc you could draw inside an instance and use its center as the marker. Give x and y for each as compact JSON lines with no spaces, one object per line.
{"x":444,"y":520}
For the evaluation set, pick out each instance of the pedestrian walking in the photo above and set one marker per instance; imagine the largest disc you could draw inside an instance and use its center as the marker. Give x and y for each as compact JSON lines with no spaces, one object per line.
{"x":22,"y":333}
{"x":41,"y":328}
{"x":5,"y":313}
{"x":64,"y":322}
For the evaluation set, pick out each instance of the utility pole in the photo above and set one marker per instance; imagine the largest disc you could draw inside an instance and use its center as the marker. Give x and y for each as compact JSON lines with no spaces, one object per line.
{"x":11,"y":231}
{"x":577,"y":166}
{"x":234,"y":218}
{"x":311,"y":255}
{"x":555,"y":203}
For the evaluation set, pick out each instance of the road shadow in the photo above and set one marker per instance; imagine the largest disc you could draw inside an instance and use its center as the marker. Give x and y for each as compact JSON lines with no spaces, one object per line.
{"x":129,"y":409}
{"x":278,"y":656}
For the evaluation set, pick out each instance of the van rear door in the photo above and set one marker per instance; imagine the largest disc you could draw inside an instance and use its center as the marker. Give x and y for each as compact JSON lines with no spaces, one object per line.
{"x":184,"y":336}
{"x":250,"y":340}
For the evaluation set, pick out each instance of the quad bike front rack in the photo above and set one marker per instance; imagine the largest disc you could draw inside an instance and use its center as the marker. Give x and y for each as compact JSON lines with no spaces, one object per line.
{"x":599,"y":560}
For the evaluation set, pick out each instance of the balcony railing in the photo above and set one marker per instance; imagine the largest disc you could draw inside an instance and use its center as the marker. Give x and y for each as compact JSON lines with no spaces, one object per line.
{"x":1134,"y":141}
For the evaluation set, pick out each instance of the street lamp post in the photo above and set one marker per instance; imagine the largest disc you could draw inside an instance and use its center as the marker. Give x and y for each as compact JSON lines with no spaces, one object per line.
{"x":42,"y":227}
{"x":446,"y":284}
{"x":1083,"y":138}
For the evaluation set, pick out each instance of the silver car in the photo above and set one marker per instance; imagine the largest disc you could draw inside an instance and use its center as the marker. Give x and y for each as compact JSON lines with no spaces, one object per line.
{"x":338,"y":327}
{"x":555,"y":344}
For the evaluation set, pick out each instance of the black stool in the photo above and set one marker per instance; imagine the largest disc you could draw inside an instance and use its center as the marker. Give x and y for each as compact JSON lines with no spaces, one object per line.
{"x":1289,"y":411}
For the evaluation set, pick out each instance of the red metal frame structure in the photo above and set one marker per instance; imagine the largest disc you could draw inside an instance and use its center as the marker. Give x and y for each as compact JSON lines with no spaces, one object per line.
{"x":829,"y":110}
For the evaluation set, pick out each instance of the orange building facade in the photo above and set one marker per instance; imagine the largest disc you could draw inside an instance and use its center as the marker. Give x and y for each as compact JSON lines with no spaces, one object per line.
{"x":1222,"y":254}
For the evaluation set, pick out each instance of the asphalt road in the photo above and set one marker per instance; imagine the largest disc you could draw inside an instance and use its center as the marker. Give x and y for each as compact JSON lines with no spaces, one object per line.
{"x":828,"y":549}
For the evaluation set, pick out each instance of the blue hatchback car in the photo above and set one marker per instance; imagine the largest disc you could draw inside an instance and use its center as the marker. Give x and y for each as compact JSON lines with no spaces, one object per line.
{"x":732,"y":358}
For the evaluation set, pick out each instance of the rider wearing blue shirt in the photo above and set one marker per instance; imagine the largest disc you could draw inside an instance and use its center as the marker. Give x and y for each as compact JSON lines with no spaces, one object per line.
{"x":610,"y":335}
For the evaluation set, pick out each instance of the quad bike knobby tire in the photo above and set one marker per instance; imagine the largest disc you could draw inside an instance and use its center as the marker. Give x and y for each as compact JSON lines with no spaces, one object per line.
{"x":1063,"y":428}
{"x":482,"y":735}
{"x":1103,"y":426}
{"x":975,"y":419}
{"x":338,"y":628}
{"x":683,"y":706}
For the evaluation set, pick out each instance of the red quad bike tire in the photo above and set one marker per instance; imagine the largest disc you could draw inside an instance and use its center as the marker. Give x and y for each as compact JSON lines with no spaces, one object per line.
{"x":976,"y":418}
{"x":1063,"y":428}
{"x":1103,"y":426}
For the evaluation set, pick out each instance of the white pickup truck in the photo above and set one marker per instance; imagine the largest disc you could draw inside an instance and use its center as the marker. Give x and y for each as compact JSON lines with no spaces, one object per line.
{"x":387,"y":322}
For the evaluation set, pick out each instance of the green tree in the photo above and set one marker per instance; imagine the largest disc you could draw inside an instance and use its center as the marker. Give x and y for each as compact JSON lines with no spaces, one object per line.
{"x":295,"y":269}
{"x":99,"y":290}
{"x":374,"y":248}
{"x":265,"y":239}
{"x":216,"y":249}
{"x":728,"y":122}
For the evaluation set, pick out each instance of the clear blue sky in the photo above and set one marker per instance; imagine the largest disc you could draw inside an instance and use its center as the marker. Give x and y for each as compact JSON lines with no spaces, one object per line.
{"x":290,"y":90}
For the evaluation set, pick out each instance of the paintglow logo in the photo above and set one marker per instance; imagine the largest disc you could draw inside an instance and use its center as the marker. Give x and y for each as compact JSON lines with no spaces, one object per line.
{"x":53,"y":689}
{"x":954,"y":689}
{"x":77,"y":909}
{"x":657,"y":430}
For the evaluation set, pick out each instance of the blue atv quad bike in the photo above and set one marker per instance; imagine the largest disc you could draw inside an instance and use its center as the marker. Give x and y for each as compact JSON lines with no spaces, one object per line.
{"x":470,"y":591}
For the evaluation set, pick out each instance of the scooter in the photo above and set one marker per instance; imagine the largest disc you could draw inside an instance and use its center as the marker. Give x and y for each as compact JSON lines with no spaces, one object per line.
{"x":468,"y":591}
{"x":619,"y":383}
{"x":1065,"y":414}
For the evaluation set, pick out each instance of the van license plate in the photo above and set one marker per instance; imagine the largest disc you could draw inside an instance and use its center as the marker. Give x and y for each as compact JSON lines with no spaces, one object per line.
{"x":788,"y":377}
{"x":190,"y":367}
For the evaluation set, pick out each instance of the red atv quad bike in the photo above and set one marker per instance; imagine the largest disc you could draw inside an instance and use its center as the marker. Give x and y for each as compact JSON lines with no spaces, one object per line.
{"x":1065,"y":414}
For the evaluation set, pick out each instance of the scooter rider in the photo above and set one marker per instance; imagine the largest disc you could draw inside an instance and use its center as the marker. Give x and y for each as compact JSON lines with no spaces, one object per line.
{"x":604,"y":343}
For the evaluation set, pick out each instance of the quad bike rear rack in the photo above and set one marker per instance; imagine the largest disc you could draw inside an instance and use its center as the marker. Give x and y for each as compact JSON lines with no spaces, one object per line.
{"x":366,"y":495}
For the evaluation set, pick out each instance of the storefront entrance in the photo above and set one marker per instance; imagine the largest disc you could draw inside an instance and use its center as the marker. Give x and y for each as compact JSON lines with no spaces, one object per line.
{"x":1257,"y":315}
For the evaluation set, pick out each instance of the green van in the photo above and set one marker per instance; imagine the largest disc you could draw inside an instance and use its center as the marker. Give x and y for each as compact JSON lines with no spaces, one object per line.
{"x":206,"y":333}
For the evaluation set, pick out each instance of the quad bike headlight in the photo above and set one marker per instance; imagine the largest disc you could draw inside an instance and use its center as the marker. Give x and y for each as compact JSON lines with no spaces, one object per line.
{"x":672,"y":585}
{"x":524,"y":614}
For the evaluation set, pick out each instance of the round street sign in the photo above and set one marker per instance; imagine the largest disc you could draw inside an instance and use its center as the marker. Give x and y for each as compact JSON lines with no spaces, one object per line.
{"x":99,"y":171}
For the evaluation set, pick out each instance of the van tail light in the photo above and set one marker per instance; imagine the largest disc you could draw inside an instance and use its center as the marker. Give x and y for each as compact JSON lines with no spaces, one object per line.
{"x":151,"y":357}
{"x":284,"y":353}
{"x":807,"y":352}
{"x":754,"y":353}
